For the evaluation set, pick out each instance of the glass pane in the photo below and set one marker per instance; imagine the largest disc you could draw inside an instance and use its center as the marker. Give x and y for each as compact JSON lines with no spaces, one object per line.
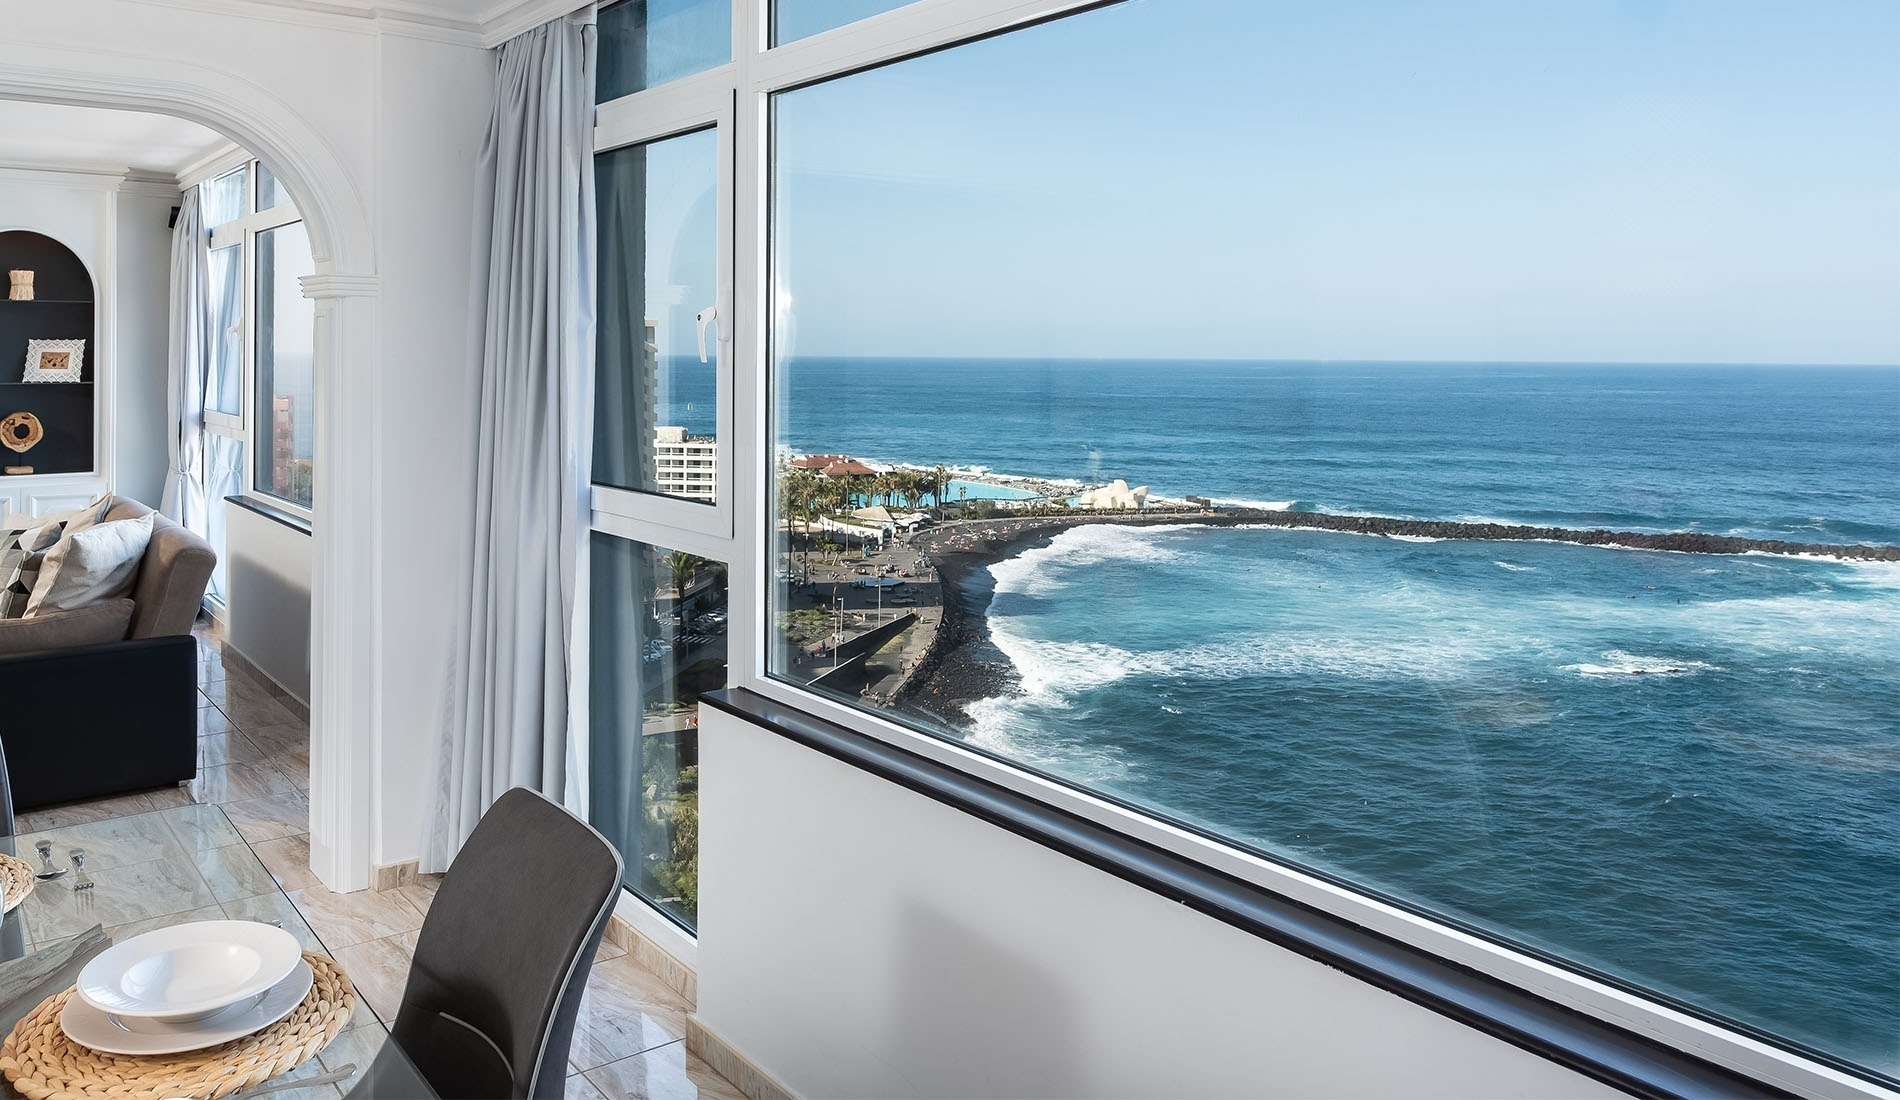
{"x":796,"y":19}
{"x":224,"y":477}
{"x":227,"y":198}
{"x":270,"y":190}
{"x":659,"y":643}
{"x":1276,"y":472}
{"x":286,"y":385}
{"x":655,"y":396}
{"x":224,"y":387}
{"x":646,"y":43}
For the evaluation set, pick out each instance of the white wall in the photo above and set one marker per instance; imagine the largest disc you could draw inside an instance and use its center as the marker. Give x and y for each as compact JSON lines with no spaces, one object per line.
{"x":437,"y":98}
{"x":139,"y":456}
{"x":859,"y":940}
{"x":267,"y":613}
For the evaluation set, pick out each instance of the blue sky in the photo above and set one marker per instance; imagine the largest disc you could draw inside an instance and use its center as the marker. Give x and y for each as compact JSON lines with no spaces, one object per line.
{"x":1633,"y":181}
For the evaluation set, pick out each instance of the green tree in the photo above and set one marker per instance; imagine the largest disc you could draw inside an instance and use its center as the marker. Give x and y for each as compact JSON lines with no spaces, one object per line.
{"x":682,"y":568}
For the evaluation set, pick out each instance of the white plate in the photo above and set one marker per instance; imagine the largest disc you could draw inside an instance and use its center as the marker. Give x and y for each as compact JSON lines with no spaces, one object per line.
{"x":189,"y":970}
{"x":114,"y":1034}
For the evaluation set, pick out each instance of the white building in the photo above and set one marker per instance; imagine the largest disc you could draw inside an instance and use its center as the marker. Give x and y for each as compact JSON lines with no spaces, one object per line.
{"x":683,"y":465}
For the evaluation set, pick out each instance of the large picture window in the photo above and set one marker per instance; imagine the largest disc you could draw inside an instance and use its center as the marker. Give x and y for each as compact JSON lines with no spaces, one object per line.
{"x":1442,"y":450}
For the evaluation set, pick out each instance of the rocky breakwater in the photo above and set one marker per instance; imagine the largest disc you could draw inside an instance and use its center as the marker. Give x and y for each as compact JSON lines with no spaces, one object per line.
{"x":1687,"y":542}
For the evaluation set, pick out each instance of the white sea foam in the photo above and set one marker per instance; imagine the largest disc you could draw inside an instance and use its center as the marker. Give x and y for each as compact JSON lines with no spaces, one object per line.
{"x":1263,"y":505}
{"x":1354,"y":658}
{"x":1047,"y":569}
{"x":1515,"y":568}
{"x":1618,"y":663}
{"x":1414,"y":538}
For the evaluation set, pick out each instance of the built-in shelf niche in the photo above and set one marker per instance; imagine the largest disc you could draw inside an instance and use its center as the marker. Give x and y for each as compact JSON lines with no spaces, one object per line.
{"x":62,"y":308}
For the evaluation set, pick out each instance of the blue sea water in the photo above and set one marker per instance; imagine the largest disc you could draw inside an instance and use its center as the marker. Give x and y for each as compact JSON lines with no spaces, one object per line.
{"x":1681,"y":770}
{"x":1804,"y":453}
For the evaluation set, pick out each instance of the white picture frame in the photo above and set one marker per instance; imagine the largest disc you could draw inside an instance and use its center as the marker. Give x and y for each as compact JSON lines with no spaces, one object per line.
{"x":54,"y":360}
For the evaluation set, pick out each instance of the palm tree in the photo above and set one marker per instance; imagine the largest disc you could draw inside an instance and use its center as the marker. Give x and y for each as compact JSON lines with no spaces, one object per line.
{"x":798,"y":500}
{"x":682,"y":568}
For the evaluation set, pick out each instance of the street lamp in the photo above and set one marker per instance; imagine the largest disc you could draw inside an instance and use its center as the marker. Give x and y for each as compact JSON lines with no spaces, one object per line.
{"x":838,"y":640}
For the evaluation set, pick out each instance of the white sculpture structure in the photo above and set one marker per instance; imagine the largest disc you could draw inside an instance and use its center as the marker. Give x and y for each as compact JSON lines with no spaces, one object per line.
{"x":1116,"y":494}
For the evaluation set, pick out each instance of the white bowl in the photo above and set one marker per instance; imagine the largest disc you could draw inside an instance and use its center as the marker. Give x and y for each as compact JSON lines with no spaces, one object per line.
{"x":189,"y":970}
{"x":142,"y":1036}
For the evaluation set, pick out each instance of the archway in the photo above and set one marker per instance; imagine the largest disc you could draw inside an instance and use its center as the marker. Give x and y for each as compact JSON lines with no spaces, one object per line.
{"x":344,"y":640}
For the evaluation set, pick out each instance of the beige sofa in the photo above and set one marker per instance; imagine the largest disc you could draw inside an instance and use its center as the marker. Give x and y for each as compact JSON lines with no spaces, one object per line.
{"x":104,"y":698}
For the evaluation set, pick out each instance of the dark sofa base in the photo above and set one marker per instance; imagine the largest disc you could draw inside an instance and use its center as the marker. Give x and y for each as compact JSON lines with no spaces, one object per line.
{"x":100,"y":720}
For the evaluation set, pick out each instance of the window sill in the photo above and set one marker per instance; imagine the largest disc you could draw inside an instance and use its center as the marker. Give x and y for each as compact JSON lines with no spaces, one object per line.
{"x":273,"y":512}
{"x":1634,"y":1063}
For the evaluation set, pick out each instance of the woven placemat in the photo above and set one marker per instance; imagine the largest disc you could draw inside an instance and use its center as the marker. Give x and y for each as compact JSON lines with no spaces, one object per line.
{"x":16,"y":878}
{"x":43,"y":1064}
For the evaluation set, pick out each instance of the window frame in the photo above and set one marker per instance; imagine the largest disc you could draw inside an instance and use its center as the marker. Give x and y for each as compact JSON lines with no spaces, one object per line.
{"x":241,"y":232}
{"x":738,"y":96}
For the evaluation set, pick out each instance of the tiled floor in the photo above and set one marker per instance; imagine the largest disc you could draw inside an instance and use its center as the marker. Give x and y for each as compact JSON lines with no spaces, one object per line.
{"x":254,"y":764}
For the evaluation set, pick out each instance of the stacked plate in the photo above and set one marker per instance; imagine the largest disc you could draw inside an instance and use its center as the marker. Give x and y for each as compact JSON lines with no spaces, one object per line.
{"x":186,"y":987}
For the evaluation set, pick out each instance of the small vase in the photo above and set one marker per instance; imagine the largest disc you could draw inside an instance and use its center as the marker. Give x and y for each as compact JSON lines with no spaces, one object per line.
{"x":21,"y":289}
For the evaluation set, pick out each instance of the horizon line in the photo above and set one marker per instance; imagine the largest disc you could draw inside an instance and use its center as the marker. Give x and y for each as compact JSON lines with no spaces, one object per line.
{"x":1347,"y":362}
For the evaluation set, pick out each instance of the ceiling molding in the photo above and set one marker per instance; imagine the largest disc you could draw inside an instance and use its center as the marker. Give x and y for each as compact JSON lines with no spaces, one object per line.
{"x":215,"y":163}
{"x":77,"y":177}
{"x":437,"y":22}
{"x":455,"y":22}
{"x":511,"y":17}
{"x":155,"y":184}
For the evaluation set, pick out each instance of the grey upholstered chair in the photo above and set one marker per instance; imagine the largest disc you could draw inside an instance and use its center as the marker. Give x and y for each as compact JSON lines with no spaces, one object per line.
{"x":6,"y":796}
{"x":504,"y":953}
{"x":12,"y":932}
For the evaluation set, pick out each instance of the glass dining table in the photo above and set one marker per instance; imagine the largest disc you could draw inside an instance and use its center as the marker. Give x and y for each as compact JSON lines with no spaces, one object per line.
{"x":132,"y":874}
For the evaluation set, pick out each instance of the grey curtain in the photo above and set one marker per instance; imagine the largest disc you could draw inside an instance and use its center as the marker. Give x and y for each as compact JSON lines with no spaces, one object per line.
{"x":516,"y":710}
{"x":188,"y":366}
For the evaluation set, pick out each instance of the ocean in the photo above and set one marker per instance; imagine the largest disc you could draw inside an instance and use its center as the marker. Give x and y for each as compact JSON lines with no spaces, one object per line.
{"x":1680,"y":770}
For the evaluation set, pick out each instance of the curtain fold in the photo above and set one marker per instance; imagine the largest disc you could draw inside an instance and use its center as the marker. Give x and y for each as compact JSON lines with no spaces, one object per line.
{"x":515,"y":713}
{"x":188,"y":366}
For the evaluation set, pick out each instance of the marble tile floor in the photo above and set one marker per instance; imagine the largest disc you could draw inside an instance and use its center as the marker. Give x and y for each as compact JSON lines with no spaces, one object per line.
{"x":235,"y":843}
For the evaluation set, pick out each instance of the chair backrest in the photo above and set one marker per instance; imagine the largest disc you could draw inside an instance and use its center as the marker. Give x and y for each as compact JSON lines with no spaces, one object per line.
{"x":6,"y":796}
{"x":503,"y":956}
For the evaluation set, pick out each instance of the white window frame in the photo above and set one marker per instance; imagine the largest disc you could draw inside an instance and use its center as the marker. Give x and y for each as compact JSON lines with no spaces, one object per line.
{"x":693,"y":105}
{"x":241,"y":232}
{"x":737,"y":97}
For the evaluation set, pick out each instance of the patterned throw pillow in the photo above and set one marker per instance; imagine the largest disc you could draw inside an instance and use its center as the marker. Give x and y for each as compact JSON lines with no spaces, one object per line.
{"x":22,"y":552}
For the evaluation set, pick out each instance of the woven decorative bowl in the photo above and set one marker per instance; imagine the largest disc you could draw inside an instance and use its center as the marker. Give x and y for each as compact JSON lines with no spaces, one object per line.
{"x":16,"y":879}
{"x":43,"y":1064}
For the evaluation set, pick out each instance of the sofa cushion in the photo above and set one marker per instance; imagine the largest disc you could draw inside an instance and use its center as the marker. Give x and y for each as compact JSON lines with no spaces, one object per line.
{"x":106,"y":621}
{"x":21,"y":553}
{"x":91,"y":564}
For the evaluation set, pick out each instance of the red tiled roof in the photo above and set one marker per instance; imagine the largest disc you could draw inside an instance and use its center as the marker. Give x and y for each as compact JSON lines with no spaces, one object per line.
{"x":834,"y":465}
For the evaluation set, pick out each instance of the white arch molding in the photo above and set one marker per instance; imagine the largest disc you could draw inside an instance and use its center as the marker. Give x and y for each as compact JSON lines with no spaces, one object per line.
{"x":345,"y":581}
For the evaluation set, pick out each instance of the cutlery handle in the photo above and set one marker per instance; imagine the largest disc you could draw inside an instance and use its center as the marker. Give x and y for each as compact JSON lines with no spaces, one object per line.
{"x":347,"y":1071}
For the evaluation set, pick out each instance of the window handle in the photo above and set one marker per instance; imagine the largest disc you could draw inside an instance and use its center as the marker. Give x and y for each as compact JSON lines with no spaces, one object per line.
{"x":705,"y":317}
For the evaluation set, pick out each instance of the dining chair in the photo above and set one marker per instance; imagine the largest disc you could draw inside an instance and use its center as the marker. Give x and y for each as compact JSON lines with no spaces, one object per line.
{"x":6,"y":796}
{"x":503,"y":955}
